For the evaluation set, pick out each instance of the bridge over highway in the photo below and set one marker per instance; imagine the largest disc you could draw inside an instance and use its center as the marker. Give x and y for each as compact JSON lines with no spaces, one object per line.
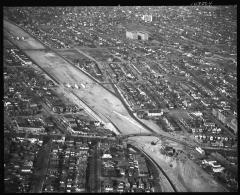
{"x":193,"y":146}
{"x":123,"y":137}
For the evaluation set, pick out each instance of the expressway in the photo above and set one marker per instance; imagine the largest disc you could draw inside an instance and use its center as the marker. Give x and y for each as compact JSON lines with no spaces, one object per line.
{"x":105,"y":104}
{"x":101,"y":103}
{"x":98,"y":98}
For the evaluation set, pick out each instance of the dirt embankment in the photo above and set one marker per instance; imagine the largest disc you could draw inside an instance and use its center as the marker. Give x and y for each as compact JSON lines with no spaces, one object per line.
{"x":99,"y":99}
{"x":183,"y":172}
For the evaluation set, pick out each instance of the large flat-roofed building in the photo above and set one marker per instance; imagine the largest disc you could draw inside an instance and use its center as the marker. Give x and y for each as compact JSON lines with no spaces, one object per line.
{"x":137,"y":32}
{"x":147,"y":18}
{"x":154,"y":113}
{"x":139,"y":35}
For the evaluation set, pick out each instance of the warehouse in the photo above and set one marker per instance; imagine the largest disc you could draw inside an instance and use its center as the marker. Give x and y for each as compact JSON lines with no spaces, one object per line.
{"x":137,"y":32}
{"x":139,"y":35}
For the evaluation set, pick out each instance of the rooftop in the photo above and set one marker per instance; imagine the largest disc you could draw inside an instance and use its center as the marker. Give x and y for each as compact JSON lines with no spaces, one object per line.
{"x":226,"y":113}
{"x":136,"y":27}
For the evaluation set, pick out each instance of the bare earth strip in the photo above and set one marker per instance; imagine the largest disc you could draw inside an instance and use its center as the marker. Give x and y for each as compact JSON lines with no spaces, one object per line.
{"x":186,"y":176}
{"x":107,"y":106}
{"x":99,"y":99}
{"x":28,"y":43}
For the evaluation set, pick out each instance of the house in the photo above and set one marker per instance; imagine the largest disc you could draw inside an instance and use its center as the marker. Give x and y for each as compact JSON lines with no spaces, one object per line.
{"x":105,"y":156}
{"x":30,"y":128}
{"x":108,"y":186}
{"x":147,"y":18}
{"x":141,"y":184}
{"x":122,"y":171}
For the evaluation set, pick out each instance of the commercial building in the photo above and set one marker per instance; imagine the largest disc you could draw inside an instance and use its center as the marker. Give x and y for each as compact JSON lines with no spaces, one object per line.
{"x":140,"y":35}
{"x":30,"y":126}
{"x":147,"y":18}
{"x":152,"y":113}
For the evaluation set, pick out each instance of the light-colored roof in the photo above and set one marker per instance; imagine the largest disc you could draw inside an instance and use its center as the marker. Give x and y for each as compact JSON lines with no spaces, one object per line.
{"x":136,"y":28}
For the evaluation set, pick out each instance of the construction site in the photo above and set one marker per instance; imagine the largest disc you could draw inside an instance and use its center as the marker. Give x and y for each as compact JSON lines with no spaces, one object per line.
{"x":92,"y":83}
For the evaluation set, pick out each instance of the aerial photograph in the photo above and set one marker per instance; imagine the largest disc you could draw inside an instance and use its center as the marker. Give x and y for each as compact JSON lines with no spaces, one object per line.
{"x":120,"y":99}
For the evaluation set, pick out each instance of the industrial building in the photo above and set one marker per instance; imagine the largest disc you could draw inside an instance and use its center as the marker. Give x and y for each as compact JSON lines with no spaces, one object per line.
{"x":137,"y":32}
{"x":139,"y":35}
{"x":147,"y":18}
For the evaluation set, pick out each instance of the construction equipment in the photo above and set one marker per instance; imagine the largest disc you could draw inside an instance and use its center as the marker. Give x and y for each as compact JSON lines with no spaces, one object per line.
{"x":154,"y":143}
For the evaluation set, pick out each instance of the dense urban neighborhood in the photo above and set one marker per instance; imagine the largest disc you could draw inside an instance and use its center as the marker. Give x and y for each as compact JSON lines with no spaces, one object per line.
{"x":120,"y":99}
